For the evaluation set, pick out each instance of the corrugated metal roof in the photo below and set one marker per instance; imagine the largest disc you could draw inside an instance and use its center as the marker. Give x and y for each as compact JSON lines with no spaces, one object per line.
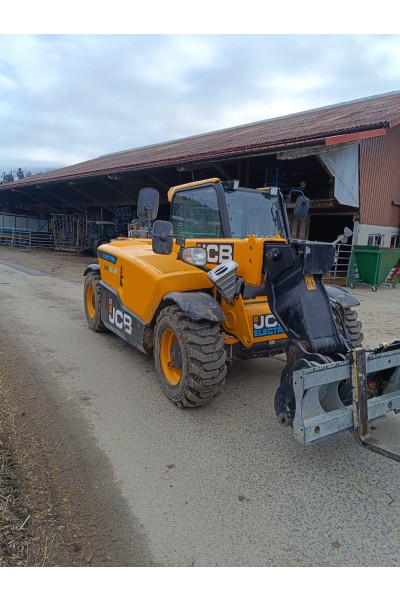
{"x":300,"y":128}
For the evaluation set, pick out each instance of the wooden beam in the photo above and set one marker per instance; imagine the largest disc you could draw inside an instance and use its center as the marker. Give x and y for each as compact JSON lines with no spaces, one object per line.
{"x":224,"y":172}
{"x":248,"y":172}
{"x":352,"y":137}
{"x":71,"y":185}
{"x":158,"y":181}
{"x":61,"y":199}
{"x":29,"y":195}
{"x":129,"y":198}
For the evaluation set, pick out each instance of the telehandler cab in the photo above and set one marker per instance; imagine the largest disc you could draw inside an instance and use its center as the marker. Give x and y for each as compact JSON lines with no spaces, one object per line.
{"x":223,"y":279}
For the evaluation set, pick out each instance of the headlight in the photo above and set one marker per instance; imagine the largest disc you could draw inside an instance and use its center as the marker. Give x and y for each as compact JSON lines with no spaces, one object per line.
{"x":195,"y":256}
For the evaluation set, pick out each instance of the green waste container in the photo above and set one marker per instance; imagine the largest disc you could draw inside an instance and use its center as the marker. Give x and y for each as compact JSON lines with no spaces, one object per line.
{"x":375,"y":263}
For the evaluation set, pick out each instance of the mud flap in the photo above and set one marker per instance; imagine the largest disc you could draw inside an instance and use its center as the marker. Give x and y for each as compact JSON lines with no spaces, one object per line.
{"x":197,"y":305}
{"x":322,"y":412}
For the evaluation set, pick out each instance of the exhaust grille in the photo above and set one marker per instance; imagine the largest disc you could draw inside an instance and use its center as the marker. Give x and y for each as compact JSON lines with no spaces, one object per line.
{"x":224,"y":279}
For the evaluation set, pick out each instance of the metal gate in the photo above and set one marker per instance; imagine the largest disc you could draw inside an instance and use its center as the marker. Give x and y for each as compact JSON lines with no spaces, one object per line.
{"x":340,"y":268}
{"x":70,"y":232}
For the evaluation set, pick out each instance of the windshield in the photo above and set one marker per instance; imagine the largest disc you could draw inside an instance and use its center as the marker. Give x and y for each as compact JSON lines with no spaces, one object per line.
{"x":254,"y":212}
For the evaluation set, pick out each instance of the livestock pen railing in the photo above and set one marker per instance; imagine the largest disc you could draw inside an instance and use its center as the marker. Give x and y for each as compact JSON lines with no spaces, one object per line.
{"x":25,"y":238}
{"x":342,"y":261}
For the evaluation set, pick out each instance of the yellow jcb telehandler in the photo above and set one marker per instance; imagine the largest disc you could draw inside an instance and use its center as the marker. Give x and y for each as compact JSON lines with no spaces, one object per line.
{"x":223,"y":279}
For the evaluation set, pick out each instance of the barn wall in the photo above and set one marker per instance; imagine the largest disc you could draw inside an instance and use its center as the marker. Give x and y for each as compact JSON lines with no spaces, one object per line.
{"x":389,"y":235}
{"x":380,"y":179}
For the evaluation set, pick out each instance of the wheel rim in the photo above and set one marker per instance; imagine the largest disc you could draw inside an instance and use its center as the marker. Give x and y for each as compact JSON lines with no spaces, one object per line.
{"x":170,"y":357}
{"x":90,"y":306}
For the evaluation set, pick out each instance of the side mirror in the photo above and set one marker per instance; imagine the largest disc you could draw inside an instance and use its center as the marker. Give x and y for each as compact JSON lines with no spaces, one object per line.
{"x":148,"y":201}
{"x":348,"y":232}
{"x":301,"y":207}
{"x":162,"y":237}
{"x":343,"y":239}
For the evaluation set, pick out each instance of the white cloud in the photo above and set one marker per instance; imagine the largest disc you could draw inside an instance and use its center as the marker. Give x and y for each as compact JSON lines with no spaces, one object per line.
{"x":384,"y":54}
{"x":170,"y":63}
{"x":29,"y":63}
{"x":69,"y":98}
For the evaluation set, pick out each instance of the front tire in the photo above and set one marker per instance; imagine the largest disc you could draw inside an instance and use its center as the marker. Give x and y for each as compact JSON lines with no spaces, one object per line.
{"x":189,"y":358}
{"x":92,"y":301}
{"x":349,"y":325}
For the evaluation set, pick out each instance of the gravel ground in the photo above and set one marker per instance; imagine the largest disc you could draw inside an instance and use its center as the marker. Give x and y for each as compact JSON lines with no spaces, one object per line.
{"x":44,"y":511}
{"x":67,"y":265}
{"x":36,"y":523}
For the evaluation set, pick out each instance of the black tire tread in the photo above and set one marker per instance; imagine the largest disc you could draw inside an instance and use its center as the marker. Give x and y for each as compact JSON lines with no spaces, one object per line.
{"x":205,"y":358}
{"x":352,"y":327}
{"x":96,"y":323}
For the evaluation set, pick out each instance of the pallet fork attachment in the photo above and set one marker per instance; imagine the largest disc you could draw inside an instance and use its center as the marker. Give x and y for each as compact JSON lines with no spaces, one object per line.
{"x":360,"y":403}
{"x":324,"y":408}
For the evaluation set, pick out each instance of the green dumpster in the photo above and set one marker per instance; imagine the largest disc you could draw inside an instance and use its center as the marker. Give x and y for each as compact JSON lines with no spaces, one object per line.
{"x":375,"y":263}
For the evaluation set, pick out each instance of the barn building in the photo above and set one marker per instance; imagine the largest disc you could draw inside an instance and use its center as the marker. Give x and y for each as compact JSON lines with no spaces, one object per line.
{"x":346,"y":158}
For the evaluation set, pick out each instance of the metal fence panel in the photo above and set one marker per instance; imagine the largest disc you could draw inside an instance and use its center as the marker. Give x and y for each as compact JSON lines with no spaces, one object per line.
{"x":9,"y":236}
{"x":8,"y":221}
{"x":340,"y":267}
{"x":41,"y":240}
{"x":25,"y":238}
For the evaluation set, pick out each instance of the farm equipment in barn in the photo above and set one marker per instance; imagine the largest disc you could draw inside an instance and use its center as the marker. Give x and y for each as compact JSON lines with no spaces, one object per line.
{"x":79,"y":234}
{"x":98,"y":233}
{"x":224,"y":280}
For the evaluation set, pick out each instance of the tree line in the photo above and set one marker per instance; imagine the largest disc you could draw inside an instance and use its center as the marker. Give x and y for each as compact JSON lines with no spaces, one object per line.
{"x":15,"y":175}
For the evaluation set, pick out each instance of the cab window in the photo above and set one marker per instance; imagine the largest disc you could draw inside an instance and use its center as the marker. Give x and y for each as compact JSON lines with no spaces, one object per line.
{"x":195,"y":213}
{"x":107,"y":229}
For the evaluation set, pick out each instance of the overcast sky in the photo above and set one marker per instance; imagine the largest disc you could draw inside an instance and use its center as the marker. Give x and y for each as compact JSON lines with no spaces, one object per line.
{"x":69,"y":98}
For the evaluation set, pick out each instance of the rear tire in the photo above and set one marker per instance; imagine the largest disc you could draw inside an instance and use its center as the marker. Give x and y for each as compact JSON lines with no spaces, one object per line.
{"x":189,"y":358}
{"x":92,"y":301}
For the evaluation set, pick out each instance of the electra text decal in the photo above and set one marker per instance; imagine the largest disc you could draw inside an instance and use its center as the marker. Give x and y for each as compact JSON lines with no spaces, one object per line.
{"x":110,"y":269}
{"x":264,"y":325}
{"x":119,"y":318}
{"x":217,"y":253}
{"x":112,"y":259}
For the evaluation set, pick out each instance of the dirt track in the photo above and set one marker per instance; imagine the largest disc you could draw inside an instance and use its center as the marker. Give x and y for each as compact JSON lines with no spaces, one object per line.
{"x":135,"y":482}
{"x":67,"y":265}
{"x":45,"y":476}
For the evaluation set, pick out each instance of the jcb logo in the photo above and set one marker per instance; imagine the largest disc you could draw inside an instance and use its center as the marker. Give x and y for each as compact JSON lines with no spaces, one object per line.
{"x":264,"y":325}
{"x":218,"y":253}
{"x":120,"y":319}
